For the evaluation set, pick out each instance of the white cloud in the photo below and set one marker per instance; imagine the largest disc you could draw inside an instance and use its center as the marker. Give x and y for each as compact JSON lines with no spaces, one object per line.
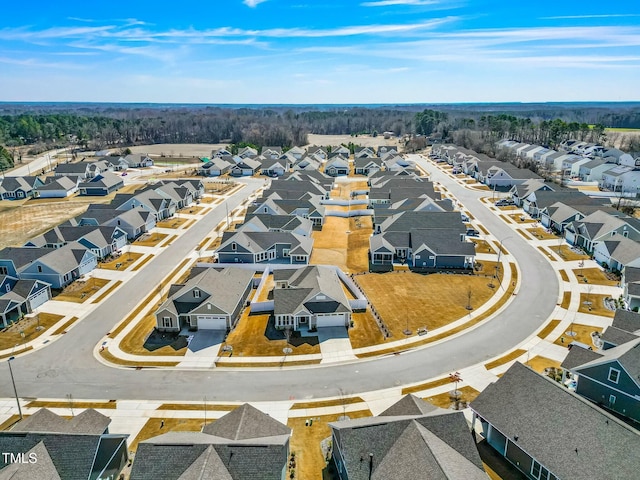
{"x":253,"y":3}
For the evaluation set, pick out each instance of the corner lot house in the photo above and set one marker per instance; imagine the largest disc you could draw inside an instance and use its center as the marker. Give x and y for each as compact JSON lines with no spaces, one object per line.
{"x":20,"y":297}
{"x":210,"y":300}
{"x":548,"y":432}
{"x":102,"y":185}
{"x":15,"y":188}
{"x":244,"y":444}
{"x":309,"y":298}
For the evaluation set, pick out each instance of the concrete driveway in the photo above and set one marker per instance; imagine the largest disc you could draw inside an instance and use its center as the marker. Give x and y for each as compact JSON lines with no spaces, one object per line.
{"x":335,"y":345}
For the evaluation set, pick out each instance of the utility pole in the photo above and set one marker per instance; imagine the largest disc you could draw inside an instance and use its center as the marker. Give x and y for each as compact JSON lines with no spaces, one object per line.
{"x":15,"y":391}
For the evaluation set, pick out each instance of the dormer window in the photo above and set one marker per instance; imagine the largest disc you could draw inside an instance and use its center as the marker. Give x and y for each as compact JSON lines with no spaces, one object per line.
{"x":196,"y":293}
{"x":234,"y":246}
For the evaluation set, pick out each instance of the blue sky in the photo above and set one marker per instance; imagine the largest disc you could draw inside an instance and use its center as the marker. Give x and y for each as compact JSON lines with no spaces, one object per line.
{"x":322,"y":51}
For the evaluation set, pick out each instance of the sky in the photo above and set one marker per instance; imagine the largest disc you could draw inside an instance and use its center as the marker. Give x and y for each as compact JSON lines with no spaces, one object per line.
{"x":321,"y":51}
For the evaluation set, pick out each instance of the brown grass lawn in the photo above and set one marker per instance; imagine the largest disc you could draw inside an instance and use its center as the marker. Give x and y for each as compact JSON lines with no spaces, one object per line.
{"x":426,"y":386}
{"x":563,"y":275}
{"x":133,"y":343}
{"x":365,"y":331}
{"x":106,"y":292}
{"x":566,"y":300}
{"x":507,"y":208}
{"x":196,"y":406}
{"x":125,"y":260}
{"x":595,"y":276}
{"x":527,"y":237}
{"x":481,"y":187}
{"x":445,"y":400}
{"x":106,"y":354}
{"x":544,"y":333}
{"x":143,"y":263}
{"x":539,"y":363}
{"x":150,"y":239}
{"x":482,"y":246}
{"x":327,"y":403}
{"x":174,"y":222}
{"x":597,"y":305}
{"x":63,"y":329}
{"x":192,"y":210}
{"x":516,"y":217}
{"x":334,"y":246}
{"x":10,"y":422}
{"x":208,"y":200}
{"x":565,"y":253}
{"x":249,"y":340}
{"x":583,"y":334}
{"x":547,"y":254}
{"x":10,"y":336}
{"x":541,"y":234}
{"x":154,"y":427}
{"x":73,"y":404}
{"x":80,"y":292}
{"x":189,"y":223}
{"x":429,"y":301}
{"x":305,"y":442}
{"x":504,"y":359}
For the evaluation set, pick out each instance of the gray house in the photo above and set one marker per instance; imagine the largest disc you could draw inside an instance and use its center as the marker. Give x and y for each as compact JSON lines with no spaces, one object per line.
{"x":59,"y":187}
{"x":15,"y":188}
{"x":367,"y":166}
{"x":264,"y":247}
{"x":75,"y":449}
{"x":546,"y":431}
{"x":211,"y":300}
{"x":274,"y":166}
{"x":101,"y":240}
{"x":215,"y":167}
{"x":58,"y":267}
{"x":101,"y":185}
{"x":410,"y":440}
{"x":309,"y":298}
{"x":600,"y":226}
{"x":134,"y":222}
{"x":20,"y":297}
{"x":162,"y":206}
{"x":244,"y":444}
{"x":138,"y":160}
{"x":337,"y":166}
{"x":261,"y":222}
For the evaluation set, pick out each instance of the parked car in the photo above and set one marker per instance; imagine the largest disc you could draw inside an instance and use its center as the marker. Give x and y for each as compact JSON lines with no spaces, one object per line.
{"x":472,"y":232}
{"x":504,"y":203}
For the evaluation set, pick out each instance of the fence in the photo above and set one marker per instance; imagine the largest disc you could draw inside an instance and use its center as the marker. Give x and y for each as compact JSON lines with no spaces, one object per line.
{"x":349,"y":214}
{"x":376,"y":316}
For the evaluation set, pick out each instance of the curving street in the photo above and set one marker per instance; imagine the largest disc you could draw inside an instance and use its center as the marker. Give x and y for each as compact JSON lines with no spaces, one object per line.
{"x":68,"y":366}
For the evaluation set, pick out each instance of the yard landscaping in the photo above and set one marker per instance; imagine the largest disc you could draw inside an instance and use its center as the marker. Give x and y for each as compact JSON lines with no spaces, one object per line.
{"x":566,"y":253}
{"x":410,"y":300}
{"x":447,"y":400}
{"x":594,"y":304}
{"x":482,"y":246}
{"x":150,"y":239}
{"x":540,"y":363}
{"x":160,"y":426}
{"x":343,"y":242}
{"x":541,"y":234}
{"x":256,"y":336}
{"x":79,"y":291}
{"x":11,"y":336}
{"x":518,"y":218}
{"x":144,"y":340}
{"x":121,"y":262}
{"x":596,"y":276}
{"x":305,"y":443}
{"x":174,"y":222}
{"x":582,"y":334}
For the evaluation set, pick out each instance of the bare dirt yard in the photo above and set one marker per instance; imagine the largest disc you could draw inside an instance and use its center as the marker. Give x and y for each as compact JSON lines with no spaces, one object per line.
{"x":418,"y":301}
{"x":362,"y":140}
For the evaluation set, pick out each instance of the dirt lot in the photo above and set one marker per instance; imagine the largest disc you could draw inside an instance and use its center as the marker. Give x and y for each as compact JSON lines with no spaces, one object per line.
{"x":430,"y":301}
{"x":178,"y":149}
{"x":252,"y":338}
{"x":363,"y":140}
{"x":343,"y":243}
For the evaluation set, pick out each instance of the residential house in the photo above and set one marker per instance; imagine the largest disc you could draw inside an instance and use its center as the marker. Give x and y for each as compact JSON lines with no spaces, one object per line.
{"x":261,"y":222}
{"x":59,"y":187}
{"x":559,"y":214}
{"x":612,"y":178}
{"x":625,"y":328}
{"x":134,"y":222}
{"x":101,"y":185}
{"x":271,"y":152}
{"x":337,"y":166}
{"x":78,"y":169}
{"x":321,"y":152}
{"x":101,"y":240}
{"x":309,"y":298}
{"x":58,"y":267}
{"x":367,"y":166}
{"x":397,"y":163}
{"x":148,"y":199}
{"x":101,"y":166}
{"x":600,"y":226}
{"x":411,"y":439}
{"x":535,"y":203}
{"x":297,"y":152}
{"x":264,"y":247}
{"x":537,"y":425}
{"x":220,"y":152}
{"x":215,"y":167}
{"x":245,"y":168}
{"x":307,"y":164}
{"x":15,"y":188}
{"x":69,"y":449}
{"x":20,"y":297}
{"x":212,"y":299}
{"x":631,"y":287}
{"x":247,"y":152}
{"x":274,"y":167}
{"x":585,"y":169}
{"x":631,"y":184}
{"x":617,"y":253}
{"x":138,"y":160}
{"x":244,"y":444}
{"x":310,"y":208}
{"x":361,"y":152}
{"x":384,"y":149}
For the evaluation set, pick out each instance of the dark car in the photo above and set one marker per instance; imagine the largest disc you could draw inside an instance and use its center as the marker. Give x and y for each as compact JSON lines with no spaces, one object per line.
{"x":472,"y":232}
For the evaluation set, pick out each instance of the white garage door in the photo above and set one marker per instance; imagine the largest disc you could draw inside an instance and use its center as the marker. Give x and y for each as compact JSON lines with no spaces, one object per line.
{"x":208,"y":322}
{"x":39,"y":299}
{"x":330,"y":320}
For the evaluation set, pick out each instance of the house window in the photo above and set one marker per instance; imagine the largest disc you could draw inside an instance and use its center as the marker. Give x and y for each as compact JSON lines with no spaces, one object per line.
{"x":39,"y":269}
{"x":614,"y":375}
{"x":166,"y":322}
{"x":540,"y":472}
{"x":4,"y":270}
{"x":612,"y":400}
{"x":233,"y":246}
{"x":196,"y":294}
{"x":285,"y":252}
{"x":8,"y":287}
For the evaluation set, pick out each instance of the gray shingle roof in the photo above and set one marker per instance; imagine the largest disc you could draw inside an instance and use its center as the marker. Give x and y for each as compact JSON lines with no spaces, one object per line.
{"x":409,"y":405}
{"x":578,"y":356}
{"x":617,"y":336}
{"x":551,"y":423}
{"x":246,"y":422}
{"x":42,"y":469}
{"x":627,"y":355}
{"x":627,"y":320}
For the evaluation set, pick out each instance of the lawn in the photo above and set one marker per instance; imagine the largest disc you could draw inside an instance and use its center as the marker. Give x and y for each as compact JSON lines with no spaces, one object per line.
{"x":365,"y":331}
{"x":426,"y":386}
{"x":12,"y":335}
{"x":174,"y":222}
{"x":327,"y":403}
{"x":71,"y":404}
{"x":563,"y":275}
{"x":582,"y":334}
{"x":483,"y":246}
{"x":565,"y":252}
{"x":547,"y":254}
{"x":121,"y":262}
{"x":63,"y":329}
{"x":305,"y":443}
{"x":410,"y":300}
{"x":103,"y":295}
{"x":541,"y":234}
{"x":594,"y":304}
{"x":150,"y":239}
{"x":80,"y":292}
{"x":343,"y":242}
{"x":446,"y":400}
{"x":256,"y":336}
{"x":192,"y":210}
{"x":544,"y":333}
{"x":160,"y":426}
{"x":143,"y":263}
{"x":519,"y":216}
{"x":540,"y":363}
{"x":566,"y":300}
{"x":134,"y":342}
{"x":595,"y":276}
{"x":504,"y":359}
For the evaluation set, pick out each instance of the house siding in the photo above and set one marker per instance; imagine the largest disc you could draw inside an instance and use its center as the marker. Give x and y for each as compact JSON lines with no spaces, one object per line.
{"x":518,"y":457}
{"x":598,"y":393}
{"x":229,"y":257}
{"x":175,"y":324}
{"x":601,"y":373}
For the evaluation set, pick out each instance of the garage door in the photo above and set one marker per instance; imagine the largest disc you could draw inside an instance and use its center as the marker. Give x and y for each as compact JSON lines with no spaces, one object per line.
{"x":330,"y":320}
{"x":39,"y":298}
{"x":207,"y":322}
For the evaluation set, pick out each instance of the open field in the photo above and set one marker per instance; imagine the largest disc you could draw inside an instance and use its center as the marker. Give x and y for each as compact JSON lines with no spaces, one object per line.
{"x":80,"y":292}
{"x":178,"y":149}
{"x":157,"y":426}
{"x":343,"y":243}
{"x":11,"y":336}
{"x":595,"y":276}
{"x":410,"y":300}
{"x":305,"y":443}
{"x":594,"y":304}
{"x":252,"y":338}
{"x":582,"y":334}
{"x":124,"y":261}
{"x":362,"y":140}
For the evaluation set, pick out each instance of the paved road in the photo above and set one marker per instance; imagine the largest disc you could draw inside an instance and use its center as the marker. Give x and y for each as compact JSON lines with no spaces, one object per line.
{"x":36,"y":166}
{"x":68,"y":367}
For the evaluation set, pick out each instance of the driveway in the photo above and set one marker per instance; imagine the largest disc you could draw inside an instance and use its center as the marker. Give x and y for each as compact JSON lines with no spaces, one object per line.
{"x":335,"y":345}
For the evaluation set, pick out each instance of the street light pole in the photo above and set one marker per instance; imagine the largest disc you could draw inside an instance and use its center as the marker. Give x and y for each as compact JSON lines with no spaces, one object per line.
{"x":15,"y":391}
{"x":498,"y":262}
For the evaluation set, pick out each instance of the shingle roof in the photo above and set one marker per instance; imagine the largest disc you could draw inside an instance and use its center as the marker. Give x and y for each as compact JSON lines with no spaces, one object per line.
{"x":578,"y":356}
{"x":617,"y":336}
{"x":626,"y":354}
{"x":42,"y":469}
{"x":626,"y":319}
{"x":88,"y":422}
{"x":246,"y":422}
{"x":551,"y":423}
{"x":409,"y":405}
